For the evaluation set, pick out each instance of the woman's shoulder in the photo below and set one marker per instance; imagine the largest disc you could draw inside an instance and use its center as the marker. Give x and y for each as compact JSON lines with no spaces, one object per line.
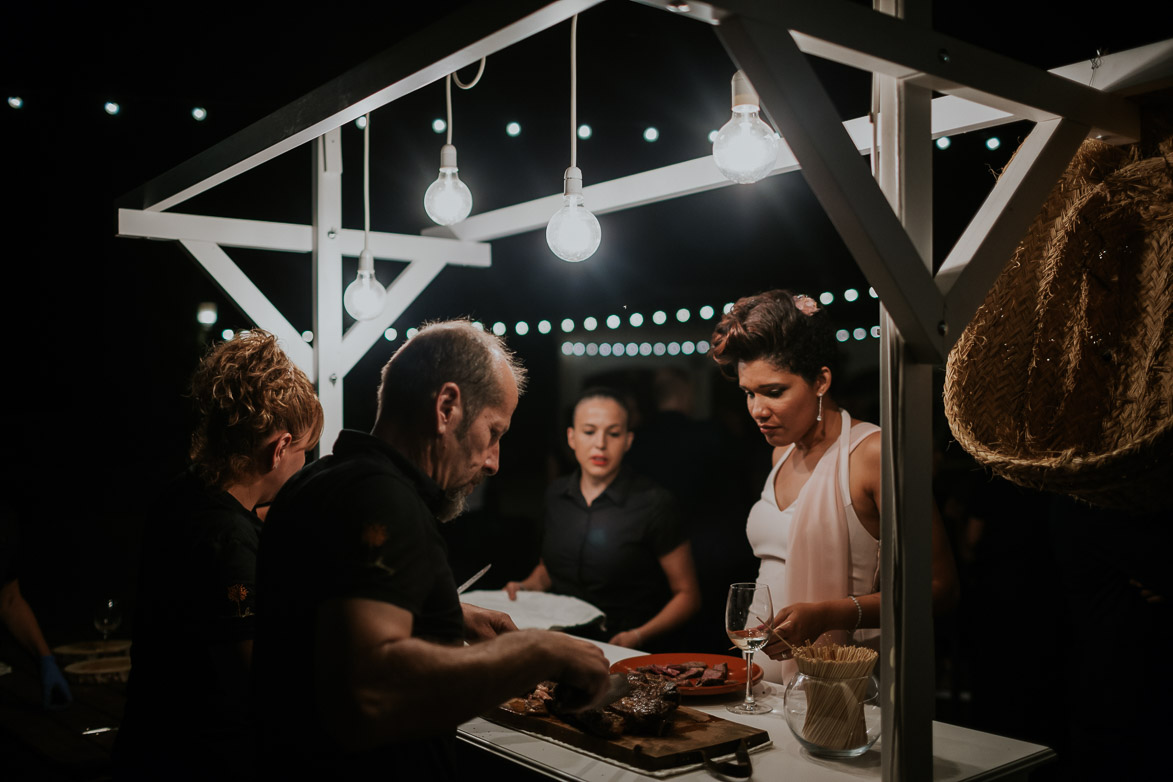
{"x":864,"y":432}
{"x":865,"y":444}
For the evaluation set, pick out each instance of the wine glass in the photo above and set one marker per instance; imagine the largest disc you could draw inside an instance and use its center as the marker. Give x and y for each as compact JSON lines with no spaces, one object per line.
{"x":748,"y":613}
{"x":107,"y":617}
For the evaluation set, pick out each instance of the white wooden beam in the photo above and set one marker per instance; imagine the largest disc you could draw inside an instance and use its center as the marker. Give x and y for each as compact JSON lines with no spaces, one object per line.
{"x":470,"y":33}
{"x":903,"y":164}
{"x":799,"y":107}
{"x":980,"y":254}
{"x":950,"y":116}
{"x":238,"y":287}
{"x":291,"y":237}
{"x":326,"y":191}
{"x":862,"y":38}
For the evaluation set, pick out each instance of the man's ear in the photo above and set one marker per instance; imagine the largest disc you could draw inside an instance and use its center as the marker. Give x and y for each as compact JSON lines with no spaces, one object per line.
{"x":449,"y":407}
{"x":277,"y":449}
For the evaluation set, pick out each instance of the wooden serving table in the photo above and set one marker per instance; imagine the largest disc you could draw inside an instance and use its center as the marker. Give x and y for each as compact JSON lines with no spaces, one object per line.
{"x":958,"y":753}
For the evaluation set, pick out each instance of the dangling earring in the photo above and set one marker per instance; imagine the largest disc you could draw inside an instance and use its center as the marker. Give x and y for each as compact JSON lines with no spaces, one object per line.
{"x":819,"y":417}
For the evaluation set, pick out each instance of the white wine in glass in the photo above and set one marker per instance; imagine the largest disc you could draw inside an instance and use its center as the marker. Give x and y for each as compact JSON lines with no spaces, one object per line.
{"x":748,"y":613}
{"x":107,"y":617}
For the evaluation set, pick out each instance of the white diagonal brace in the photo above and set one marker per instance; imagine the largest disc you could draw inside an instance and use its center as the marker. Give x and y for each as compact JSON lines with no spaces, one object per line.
{"x":291,"y":237}
{"x":796,"y":102}
{"x":400,"y":294}
{"x":980,"y":254}
{"x":461,"y":39}
{"x":862,"y":38}
{"x":249,"y":298}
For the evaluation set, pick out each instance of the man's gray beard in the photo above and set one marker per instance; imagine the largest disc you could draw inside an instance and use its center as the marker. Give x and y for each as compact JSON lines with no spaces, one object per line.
{"x":454,"y":503}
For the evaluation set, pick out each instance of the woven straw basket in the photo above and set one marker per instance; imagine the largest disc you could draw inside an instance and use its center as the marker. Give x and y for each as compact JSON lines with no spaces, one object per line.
{"x":1063,"y":381}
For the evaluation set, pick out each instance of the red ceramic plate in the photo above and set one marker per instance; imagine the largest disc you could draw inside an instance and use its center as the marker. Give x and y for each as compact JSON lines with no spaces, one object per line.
{"x":734,"y":683}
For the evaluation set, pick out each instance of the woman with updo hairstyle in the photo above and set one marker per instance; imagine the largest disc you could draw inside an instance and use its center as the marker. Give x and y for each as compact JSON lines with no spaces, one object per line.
{"x":816,"y":525}
{"x":257,"y":416}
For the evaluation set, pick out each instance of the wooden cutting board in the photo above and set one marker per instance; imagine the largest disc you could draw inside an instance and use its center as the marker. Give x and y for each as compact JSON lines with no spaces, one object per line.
{"x":689,"y":733}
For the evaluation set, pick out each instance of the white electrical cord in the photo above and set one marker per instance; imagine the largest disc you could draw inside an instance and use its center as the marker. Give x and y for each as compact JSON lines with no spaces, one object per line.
{"x":448,"y":90}
{"x":366,"y":183}
{"x":573,"y":92}
{"x":475,"y":79}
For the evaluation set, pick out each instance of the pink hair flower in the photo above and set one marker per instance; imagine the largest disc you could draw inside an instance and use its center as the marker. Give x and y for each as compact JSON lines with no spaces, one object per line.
{"x":806,"y":305}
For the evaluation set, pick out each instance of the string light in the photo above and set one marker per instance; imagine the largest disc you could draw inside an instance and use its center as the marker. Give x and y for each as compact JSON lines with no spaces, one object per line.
{"x":746,"y":148}
{"x":573,"y":233}
{"x":448,"y":200}
{"x":364,"y":298}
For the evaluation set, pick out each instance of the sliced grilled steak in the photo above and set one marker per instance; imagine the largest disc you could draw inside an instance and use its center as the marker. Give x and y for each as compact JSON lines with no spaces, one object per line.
{"x":645,"y":710}
{"x":715,"y":675}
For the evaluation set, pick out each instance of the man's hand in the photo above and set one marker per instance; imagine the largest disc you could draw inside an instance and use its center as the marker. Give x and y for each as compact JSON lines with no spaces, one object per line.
{"x":481,"y":624}
{"x":584,"y":667}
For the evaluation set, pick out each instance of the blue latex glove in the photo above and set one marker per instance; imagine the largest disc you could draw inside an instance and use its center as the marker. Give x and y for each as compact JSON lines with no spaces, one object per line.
{"x":55,"y":692}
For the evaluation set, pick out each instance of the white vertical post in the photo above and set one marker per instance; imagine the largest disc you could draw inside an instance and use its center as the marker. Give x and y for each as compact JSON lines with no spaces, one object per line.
{"x":327,"y":281}
{"x":908,"y":680}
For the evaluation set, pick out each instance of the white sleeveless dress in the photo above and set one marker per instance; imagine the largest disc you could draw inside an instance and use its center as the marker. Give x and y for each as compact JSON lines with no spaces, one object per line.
{"x":770,"y":529}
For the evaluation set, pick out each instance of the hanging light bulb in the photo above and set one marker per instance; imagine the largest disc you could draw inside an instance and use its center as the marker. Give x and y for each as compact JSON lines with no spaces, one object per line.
{"x":364,"y":297}
{"x":573,"y":233}
{"x":448,"y":200}
{"x":746,"y":147}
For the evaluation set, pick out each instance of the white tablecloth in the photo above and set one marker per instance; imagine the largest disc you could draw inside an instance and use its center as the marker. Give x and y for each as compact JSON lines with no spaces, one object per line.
{"x":959,"y":754}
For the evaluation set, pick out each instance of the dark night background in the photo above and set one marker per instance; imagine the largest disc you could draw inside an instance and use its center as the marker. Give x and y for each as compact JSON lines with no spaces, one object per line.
{"x":101,"y":335}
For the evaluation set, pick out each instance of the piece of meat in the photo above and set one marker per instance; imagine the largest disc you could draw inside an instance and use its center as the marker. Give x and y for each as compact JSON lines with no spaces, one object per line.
{"x":690,"y":673}
{"x":715,"y":675}
{"x":646,"y":708}
{"x":688,"y":666}
{"x":661,"y":670}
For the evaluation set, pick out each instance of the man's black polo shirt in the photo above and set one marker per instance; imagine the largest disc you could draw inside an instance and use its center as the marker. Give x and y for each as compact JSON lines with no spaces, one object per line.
{"x":609,"y":553}
{"x":359,"y":523}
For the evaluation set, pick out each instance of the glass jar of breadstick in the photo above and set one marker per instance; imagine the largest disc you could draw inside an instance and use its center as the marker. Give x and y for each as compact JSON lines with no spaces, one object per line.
{"x":833,"y":704}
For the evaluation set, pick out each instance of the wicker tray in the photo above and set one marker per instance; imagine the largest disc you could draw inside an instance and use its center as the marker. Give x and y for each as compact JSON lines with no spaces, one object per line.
{"x":1063,"y":381}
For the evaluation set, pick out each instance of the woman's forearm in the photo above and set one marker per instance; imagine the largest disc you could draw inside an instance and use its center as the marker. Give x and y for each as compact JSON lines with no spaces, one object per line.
{"x":674,"y":613}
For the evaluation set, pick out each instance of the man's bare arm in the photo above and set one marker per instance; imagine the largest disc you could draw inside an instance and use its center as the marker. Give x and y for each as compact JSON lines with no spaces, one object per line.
{"x":375,"y":683}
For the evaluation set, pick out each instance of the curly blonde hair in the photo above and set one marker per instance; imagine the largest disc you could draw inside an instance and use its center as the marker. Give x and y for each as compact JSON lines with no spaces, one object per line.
{"x":244,"y":391}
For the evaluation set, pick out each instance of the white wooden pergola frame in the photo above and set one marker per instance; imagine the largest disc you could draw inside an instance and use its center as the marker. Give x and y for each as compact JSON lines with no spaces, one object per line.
{"x":884,"y":217}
